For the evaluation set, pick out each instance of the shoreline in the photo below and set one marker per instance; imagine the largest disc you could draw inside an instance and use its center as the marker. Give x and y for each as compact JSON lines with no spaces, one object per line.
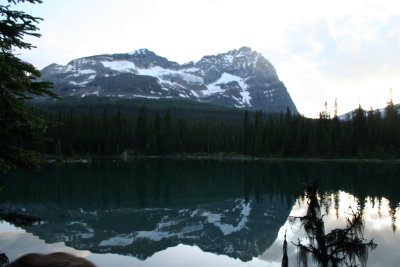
{"x":89,"y":159}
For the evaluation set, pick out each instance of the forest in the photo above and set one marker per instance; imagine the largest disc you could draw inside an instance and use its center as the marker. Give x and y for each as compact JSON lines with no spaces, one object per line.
{"x":106,"y":128}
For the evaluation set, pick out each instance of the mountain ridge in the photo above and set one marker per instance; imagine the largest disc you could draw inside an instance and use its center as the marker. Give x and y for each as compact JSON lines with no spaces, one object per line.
{"x":240,"y":78}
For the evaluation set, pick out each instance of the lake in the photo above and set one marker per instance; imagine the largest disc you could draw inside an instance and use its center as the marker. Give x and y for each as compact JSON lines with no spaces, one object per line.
{"x":169,"y":212}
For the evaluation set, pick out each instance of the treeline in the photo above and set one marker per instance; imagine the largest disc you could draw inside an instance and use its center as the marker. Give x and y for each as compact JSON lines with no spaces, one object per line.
{"x":145,"y":134}
{"x":369,"y":134}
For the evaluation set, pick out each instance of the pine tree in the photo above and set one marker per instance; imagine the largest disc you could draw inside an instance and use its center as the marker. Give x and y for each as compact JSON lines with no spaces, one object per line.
{"x":20,"y":125}
{"x":157,"y":133}
{"x":117,"y":130}
{"x":167,"y":133}
{"x":141,"y":130}
{"x":391,"y":127}
{"x":246,"y":134}
{"x":360,"y":131}
{"x":335,"y":109}
{"x":285,"y":259}
{"x":288,"y":134}
{"x":258,"y":134}
{"x":335,"y":131}
{"x":58,"y":148}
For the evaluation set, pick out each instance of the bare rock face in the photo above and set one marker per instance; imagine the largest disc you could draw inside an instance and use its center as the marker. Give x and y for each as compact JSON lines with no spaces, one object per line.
{"x":239,"y":78}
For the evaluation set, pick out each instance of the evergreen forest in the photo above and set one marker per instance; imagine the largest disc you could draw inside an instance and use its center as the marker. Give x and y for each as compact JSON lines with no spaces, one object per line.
{"x":107,"y":127}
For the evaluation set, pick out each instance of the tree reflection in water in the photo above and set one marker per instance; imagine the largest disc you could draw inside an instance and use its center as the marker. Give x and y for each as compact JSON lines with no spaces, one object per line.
{"x":341,"y":247}
{"x":17,"y":220}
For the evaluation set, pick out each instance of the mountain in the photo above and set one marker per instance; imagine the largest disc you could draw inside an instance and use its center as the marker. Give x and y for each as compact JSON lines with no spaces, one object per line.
{"x":231,"y":227}
{"x":145,"y":206}
{"x":238,"y":78}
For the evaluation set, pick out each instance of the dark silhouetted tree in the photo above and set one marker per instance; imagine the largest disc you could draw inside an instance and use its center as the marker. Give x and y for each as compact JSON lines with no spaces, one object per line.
{"x":340,"y":246}
{"x":20,"y":125}
{"x":285,"y":259}
{"x":141,"y":130}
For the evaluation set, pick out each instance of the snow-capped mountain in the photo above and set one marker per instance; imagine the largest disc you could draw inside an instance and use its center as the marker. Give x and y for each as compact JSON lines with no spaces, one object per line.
{"x":232,"y":227}
{"x":239,"y":78}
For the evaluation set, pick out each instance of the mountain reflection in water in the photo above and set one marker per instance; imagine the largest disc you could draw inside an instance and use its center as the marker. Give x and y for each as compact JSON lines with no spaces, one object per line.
{"x":154,"y":208}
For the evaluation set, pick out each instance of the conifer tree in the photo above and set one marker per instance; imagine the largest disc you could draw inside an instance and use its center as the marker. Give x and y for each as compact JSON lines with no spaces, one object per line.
{"x":258,"y":133}
{"x":157,"y":133}
{"x":20,"y":125}
{"x":360,"y":131}
{"x":167,"y":135}
{"x":335,"y":130}
{"x":391,"y":127}
{"x":141,"y":130}
{"x":246,"y":133}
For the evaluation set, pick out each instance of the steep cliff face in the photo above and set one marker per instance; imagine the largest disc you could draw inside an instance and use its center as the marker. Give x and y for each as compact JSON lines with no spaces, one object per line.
{"x":239,"y":78}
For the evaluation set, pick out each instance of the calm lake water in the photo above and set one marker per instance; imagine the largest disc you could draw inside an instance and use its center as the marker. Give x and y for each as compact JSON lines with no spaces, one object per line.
{"x":194,"y":213}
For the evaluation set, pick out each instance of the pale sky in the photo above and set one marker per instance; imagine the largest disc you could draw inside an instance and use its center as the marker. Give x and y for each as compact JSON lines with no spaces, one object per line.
{"x":322,"y":50}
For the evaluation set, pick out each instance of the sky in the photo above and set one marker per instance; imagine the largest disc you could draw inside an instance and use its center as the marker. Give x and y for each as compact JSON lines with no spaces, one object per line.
{"x":322,"y":50}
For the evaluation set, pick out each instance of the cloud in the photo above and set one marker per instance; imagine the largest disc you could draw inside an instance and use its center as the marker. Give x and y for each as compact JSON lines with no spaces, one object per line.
{"x":347,"y":49}
{"x":352,"y":57}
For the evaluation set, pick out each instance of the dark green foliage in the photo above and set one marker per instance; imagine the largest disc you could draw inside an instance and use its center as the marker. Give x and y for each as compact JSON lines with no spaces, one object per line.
{"x":157,"y":134}
{"x":141,"y":131}
{"x":20,"y":126}
{"x":246,"y":134}
{"x":110,"y":126}
{"x":360,"y":132}
{"x":178,"y":108}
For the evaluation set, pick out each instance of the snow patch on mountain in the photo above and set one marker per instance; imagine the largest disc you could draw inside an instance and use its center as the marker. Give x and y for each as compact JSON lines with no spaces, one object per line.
{"x":194,"y":93}
{"x":121,"y":66}
{"x":154,"y":235}
{"x":228,"y":229}
{"x":191,"y":70}
{"x":238,"y":78}
{"x":163,"y":230}
{"x":213,"y":88}
{"x":245,"y":97}
{"x":120,"y":241}
{"x":84,"y":72}
{"x":225,"y":78}
{"x":80,"y":84}
{"x":167,"y":74}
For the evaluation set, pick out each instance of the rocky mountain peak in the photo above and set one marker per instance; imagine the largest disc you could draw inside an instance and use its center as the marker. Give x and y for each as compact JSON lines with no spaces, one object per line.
{"x":239,"y":78}
{"x":242,"y":52}
{"x":142,"y":51}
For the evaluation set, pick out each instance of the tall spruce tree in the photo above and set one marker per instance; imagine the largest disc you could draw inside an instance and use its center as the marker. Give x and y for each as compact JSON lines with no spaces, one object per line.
{"x":141,"y":130}
{"x":157,"y":133}
{"x":246,"y":134}
{"x":360,"y":131}
{"x":20,"y":125}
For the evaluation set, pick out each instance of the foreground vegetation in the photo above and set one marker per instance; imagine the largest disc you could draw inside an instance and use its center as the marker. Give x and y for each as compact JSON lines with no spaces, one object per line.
{"x":19,"y":124}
